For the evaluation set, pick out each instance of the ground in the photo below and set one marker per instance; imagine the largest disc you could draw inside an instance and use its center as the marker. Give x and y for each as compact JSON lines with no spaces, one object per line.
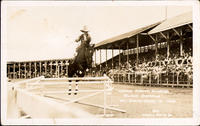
{"x":137,"y":101}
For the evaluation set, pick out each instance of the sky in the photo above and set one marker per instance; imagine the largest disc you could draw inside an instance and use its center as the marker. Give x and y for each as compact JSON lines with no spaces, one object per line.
{"x":49,"y":32}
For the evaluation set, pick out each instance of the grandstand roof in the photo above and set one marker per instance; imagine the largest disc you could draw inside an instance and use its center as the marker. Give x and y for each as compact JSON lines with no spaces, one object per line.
{"x":177,"y":21}
{"x":116,"y":39}
{"x":36,"y":60}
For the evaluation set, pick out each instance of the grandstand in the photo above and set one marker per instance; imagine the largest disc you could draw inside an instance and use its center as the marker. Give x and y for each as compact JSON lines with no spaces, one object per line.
{"x":158,"y":54}
{"x":30,"y":69}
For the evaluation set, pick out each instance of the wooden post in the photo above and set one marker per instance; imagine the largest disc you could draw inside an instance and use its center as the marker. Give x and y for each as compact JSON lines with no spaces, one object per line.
{"x":135,"y":78}
{"x":119,"y":58}
{"x":35,"y":69}
{"x":168,"y":46}
{"x":95,"y":58}
{"x":30,"y":69}
{"x":167,"y":40}
{"x":51,"y":64}
{"x":8,"y":72}
{"x":112,"y":58}
{"x":181,"y":40}
{"x":25,"y":72}
{"x":156,"y":46}
{"x":181,"y":43}
{"x":61,"y":67}
{"x":58,"y":67}
{"x":137,"y":54}
{"x":106,"y":58}
{"x":12,"y":74}
{"x":67,"y":64}
{"x":168,"y":54}
{"x":100,"y":60}
{"x":14,"y":71}
{"x":127,"y":53}
{"x":19,"y":71}
{"x":45,"y":65}
{"x":119,"y":64}
{"x":40,"y":69}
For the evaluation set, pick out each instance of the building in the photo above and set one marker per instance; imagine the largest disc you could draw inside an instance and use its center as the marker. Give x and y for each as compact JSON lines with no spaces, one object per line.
{"x":31,"y":69}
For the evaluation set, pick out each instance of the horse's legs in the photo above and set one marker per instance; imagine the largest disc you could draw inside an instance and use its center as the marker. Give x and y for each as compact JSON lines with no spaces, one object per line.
{"x":70,"y":88}
{"x":76,"y":90}
{"x":80,"y":67}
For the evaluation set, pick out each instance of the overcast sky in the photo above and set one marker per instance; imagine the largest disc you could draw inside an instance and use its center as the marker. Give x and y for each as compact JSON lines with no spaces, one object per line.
{"x":48,"y":32}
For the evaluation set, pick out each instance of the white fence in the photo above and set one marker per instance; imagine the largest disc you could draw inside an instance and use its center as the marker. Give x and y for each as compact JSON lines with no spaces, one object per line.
{"x":38,"y":105}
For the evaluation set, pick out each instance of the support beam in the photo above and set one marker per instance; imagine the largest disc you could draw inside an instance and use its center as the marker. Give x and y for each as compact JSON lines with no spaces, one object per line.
{"x":100,"y":59}
{"x":8,"y":72}
{"x":152,"y":37}
{"x":58,"y":65}
{"x":45,"y":65}
{"x":56,"y":68}
{"x":51,"y":64}
{"x":19,"y":71}
{"x":156,"y":43}
{"x":61,"y":67}
{"x":119,"y":59}
{"x":112,"y":58}
{"x":95,"y":58}
{"x":67,"y":64}
{"x":40,"y":69}
{"x":14,"y":74}
{"x":163,"y":35}
{"x":176,"y":32}
{"x":144,"y":34}
{"x":180,"y":34}
{"x":128,"y":52}
{"x":35,"y":69}
{"x":30,"y":74}
{"x":181,"y":43}
{"x":190,"y":26}
{"x":106,"y":58}
{"x":156,"y":46}
{"x":137,"y":54}
{"x":168,"y":45}
{"x":25,"y":71}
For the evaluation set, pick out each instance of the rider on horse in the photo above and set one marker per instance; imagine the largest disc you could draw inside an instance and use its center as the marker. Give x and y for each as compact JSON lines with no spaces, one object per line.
{"x":84,"y":38}
{"x":85,"y":42}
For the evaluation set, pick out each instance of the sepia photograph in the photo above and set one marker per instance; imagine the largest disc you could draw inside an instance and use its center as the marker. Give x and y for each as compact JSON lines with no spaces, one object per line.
{"x":100,"y":62}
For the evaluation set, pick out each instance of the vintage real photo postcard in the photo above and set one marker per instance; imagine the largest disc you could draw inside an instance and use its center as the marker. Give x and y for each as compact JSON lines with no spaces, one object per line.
{"x":100,"y":62}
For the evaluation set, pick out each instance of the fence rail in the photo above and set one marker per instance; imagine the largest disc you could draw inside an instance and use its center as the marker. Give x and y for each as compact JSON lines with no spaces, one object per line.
{"x":173,"y":79}
{"x":45,"y":108}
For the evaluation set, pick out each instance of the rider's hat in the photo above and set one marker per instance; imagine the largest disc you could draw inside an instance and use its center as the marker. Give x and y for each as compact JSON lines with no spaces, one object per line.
{"x":84,"y":29}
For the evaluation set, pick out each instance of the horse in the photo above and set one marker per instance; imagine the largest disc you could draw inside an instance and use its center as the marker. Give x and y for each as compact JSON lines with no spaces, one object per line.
{"x":81,"y":62}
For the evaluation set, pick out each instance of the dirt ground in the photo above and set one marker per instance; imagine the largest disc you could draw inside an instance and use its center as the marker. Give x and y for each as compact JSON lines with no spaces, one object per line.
{"x":137,"y":101}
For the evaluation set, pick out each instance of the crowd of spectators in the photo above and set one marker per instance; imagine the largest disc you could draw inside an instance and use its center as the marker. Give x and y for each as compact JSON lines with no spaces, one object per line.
{"x":175,"y":63}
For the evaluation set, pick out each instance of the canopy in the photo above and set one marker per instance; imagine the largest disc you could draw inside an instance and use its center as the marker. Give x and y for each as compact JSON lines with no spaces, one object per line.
{"x":177,"y":21}
{"x":117,"y":39}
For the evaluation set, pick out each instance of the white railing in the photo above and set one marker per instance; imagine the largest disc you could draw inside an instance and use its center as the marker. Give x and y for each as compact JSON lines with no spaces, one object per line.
{"x":37,"y":105}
